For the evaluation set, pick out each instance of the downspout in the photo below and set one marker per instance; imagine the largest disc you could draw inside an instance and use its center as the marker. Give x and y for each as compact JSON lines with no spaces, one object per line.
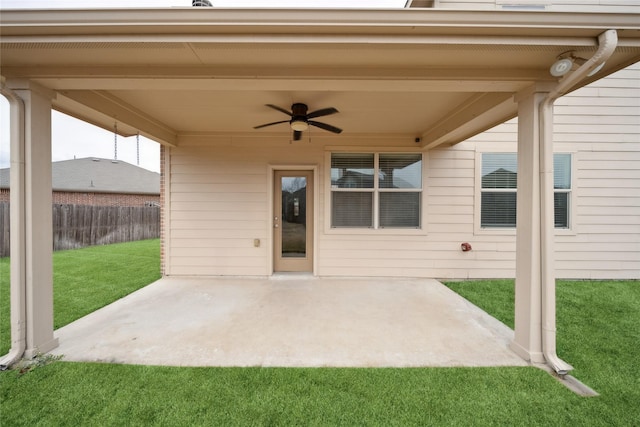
{"x":18,"y":289}
{"x":607,"y":43}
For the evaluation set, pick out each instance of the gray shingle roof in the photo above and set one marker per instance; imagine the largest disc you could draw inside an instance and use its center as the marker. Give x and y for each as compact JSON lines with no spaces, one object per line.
{"x":94,"y":175}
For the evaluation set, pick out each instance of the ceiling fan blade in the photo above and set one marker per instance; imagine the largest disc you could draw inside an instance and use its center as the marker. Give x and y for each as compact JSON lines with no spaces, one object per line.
{"x":322,"y":112}
{"x":297,"y":135}
{"x":271,"y":124}
{"x":282,"y":110}
{"x":325,"y":126}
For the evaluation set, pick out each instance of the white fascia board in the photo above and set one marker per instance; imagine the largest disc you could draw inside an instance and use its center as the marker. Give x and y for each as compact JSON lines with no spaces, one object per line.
{"x":310,"y":21}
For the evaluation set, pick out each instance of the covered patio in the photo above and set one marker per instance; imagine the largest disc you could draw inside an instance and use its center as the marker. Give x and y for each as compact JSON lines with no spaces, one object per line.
{"x":291,"y":321}
{"x":200,"y":82}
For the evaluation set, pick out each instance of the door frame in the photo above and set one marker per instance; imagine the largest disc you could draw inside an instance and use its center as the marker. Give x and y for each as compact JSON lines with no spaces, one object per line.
{"x":270,"y":223}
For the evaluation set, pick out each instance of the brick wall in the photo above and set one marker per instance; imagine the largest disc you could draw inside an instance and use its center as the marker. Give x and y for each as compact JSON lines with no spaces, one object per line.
{"x":105,"y":199}
{"x":97,"y":199}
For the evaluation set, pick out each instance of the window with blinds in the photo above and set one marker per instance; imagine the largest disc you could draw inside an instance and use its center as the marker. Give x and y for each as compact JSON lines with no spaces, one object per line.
{"x":499,"y":184}
{"x":498,"y":194}
{"x":561,"y":189}
{"x":376,"y":190}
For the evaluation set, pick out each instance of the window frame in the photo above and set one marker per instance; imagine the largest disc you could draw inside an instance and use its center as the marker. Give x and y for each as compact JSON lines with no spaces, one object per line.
{"x":571,"y":199}
{"x":376,"y":190}
{"x":513,"y":191}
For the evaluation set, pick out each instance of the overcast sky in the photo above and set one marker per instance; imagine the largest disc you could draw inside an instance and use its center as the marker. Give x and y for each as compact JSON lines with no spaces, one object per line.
{"x":72,"y":137}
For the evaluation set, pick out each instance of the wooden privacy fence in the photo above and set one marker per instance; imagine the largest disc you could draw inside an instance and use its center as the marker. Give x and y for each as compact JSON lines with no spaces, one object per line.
{"x":77,"y":226}
{"x":4,"y":229}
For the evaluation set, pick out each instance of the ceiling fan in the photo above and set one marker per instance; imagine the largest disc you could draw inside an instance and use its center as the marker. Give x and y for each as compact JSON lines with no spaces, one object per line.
{"x":300,"y":119}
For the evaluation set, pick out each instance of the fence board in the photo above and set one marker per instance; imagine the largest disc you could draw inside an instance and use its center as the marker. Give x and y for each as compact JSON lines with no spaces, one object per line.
{"x":4,"y":229}
{"x":78,"y":226}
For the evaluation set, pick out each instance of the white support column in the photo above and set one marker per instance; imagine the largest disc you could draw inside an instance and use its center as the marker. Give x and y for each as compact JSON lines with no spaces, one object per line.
{"x":528,"y":303}
{"x":31,"y":189}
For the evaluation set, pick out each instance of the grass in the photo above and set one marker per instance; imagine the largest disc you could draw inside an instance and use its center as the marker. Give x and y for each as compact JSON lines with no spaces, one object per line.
{"x":97,"y":394}
{"x":598,"y":334}
{"x":87,"y":279}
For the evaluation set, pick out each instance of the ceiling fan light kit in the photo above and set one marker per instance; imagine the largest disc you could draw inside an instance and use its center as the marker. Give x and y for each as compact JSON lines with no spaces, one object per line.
{"x":300,"y":122}
{"x":299,"y":125}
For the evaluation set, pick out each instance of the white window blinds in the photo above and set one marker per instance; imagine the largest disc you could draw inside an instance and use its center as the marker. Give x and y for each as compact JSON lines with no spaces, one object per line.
{"x":374,"y":190}
{"x":498,"y":189}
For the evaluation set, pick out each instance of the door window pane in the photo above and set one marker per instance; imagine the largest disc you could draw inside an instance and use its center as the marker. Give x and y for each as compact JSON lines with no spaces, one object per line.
{"x":294,"y":217}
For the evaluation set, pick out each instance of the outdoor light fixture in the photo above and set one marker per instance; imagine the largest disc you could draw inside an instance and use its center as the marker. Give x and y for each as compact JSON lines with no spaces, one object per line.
{"x":299,"y":125}
{"x":561,"y":67}
{"x":565,"y":63}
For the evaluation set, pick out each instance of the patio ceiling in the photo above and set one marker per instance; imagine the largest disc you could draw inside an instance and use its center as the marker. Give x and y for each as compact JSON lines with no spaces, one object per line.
{"x":438,"y":75}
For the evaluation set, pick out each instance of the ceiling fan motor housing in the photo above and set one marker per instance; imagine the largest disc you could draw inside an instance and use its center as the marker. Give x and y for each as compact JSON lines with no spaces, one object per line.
{"x":298,"y":113}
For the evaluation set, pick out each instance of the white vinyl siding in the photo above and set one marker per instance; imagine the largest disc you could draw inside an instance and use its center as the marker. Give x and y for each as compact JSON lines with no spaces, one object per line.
{"x":220,"y":200}
{"x":603,"y":120}
{"x":600,"y":124}
{"x":220,"y":204}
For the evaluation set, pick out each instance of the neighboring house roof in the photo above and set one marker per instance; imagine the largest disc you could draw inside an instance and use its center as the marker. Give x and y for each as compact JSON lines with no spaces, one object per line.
{"x":98,"y":176}
{"x":353,"y":179}
{"x":500,"y":178}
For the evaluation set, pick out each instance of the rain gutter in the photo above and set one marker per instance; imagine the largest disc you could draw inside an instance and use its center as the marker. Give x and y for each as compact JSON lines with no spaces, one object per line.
{"x":18,"y":288}
{"x":607,"y":42}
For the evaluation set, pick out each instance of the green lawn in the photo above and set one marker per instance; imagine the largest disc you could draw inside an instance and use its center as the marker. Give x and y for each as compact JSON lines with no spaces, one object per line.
{"x":87,"y":279}
{"x":598,"y":334}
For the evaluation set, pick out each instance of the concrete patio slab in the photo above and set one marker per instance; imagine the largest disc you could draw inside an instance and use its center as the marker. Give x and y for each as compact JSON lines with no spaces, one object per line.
{"x":290,"y":321}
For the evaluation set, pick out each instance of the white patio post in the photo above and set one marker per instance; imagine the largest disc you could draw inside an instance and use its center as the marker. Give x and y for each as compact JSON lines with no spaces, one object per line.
{"x":31,"y":215}
{"x":528,"y":302}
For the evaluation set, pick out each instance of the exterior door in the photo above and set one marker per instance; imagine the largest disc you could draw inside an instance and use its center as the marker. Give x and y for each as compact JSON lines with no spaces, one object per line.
{"x":293,"y":221}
